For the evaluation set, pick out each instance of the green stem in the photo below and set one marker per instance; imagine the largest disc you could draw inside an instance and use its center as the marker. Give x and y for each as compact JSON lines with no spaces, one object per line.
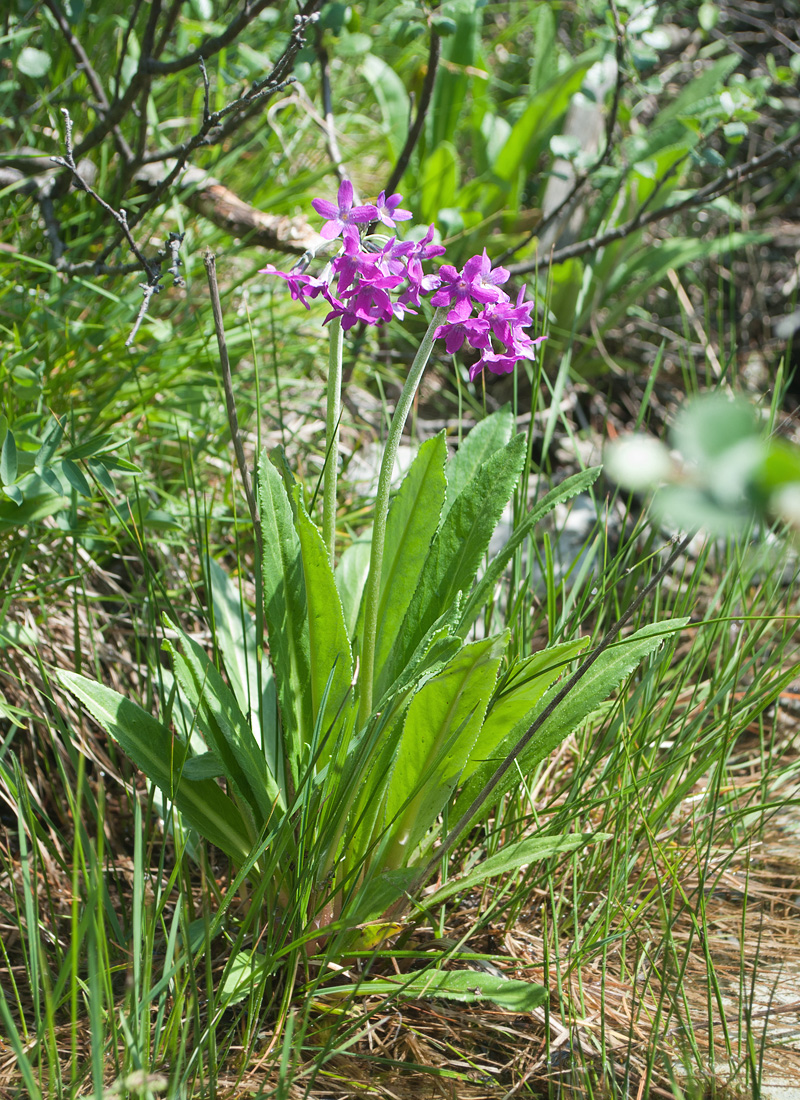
{"x":373,"y":588}
{"x":332,"y":438}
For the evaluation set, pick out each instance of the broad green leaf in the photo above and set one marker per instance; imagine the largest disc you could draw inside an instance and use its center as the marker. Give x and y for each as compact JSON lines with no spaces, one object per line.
{"x":443,"y":721}
{"x":371,"y":771}
{"x":410,"y":528}
{"x":97,"y":445}
{"x":102,"y":475}
{"x":513,"y":706}
{"x":607,"y":672}
{"x":38,"y":503}
{"x":331,"y":663}
{"x":543,"y":24}
{"x":8,"y":460}
{"x":235,"y":634}
{"x":458,"y":549}
{"x":286,"y":612}
{"x":206,"y":766}
{"x":487,"y":437}
{"x":74,"y":475}
{"x":245,"y":970}
{"x":437,"y":647}
{"x":392,"y":97}
{"x":378,"y":893}
{"x":530,"y":850}
{"x":483,"y":589}
{"x":227,"y":732}
{"x":467,"y":986}
{"x":155,"y":750}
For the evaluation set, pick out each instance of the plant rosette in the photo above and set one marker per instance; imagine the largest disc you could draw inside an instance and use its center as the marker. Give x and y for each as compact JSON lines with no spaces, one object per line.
{"x":378,"y":712}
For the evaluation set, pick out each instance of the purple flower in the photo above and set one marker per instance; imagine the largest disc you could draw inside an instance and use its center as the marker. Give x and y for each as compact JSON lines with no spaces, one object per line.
{"x":503,"y":362}
{"x":476,"y":283}
{"x":345,"y":214}
{"x":474,"y":329}
{"x":370,"y":304}
{"x":505,"y":319}
{"x":387,"y":209}
{"x":356,"y":267}
{"x":301,"y":287}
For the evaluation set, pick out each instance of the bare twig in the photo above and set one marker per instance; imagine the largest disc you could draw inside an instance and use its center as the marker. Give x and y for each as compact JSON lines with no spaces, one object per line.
{"x":466,"y":819}
{"x":278,"y":79}
{"x":230,"y":402}
{"x":148,"y":290}
{"x":119,"y":216}
{"x":723,"y":183}
{"x":92,"y":267}
{"x":175,"y":262}
{"x":415,"y":130}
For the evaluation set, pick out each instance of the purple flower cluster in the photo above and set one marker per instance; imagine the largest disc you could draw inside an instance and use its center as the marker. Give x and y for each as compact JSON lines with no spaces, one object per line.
{"x":373,"y":280}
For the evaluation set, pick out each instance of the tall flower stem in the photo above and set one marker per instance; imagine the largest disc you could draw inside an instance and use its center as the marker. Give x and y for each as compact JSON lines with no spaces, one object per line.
{"x":373,"y":589}
{"x":332,"y":438}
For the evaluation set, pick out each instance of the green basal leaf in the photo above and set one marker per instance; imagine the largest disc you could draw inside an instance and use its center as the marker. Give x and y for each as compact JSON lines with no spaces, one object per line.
{"x":443,"y":721}
{"x":155,"y":751}
{"x":453,"y":80}
{"x":235,"y":634}
{"x":511,"y":858}
{"x":351,"y":577}
{"x":438,"y":178}
{"x":530,"y":133}
{"x":410,"y":528}
{"x":608,"y":671}
{"x":286,"y":613}
{"x":513,"y":706}
{"x":227,"y":732}
{"x":331,"y":663}
{"x":458,"y":549}
{"x":392,"y":97}
{"x":467,"y":986}
{"x":244,"y":971}
{"x":578,"y":483}
{"x":206,"y":766}
{"x":485,"y":439}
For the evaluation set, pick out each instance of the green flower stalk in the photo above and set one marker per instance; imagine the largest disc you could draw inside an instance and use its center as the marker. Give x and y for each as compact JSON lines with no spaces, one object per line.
{"x":332,"y":416}
{"x":373,"y":588}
